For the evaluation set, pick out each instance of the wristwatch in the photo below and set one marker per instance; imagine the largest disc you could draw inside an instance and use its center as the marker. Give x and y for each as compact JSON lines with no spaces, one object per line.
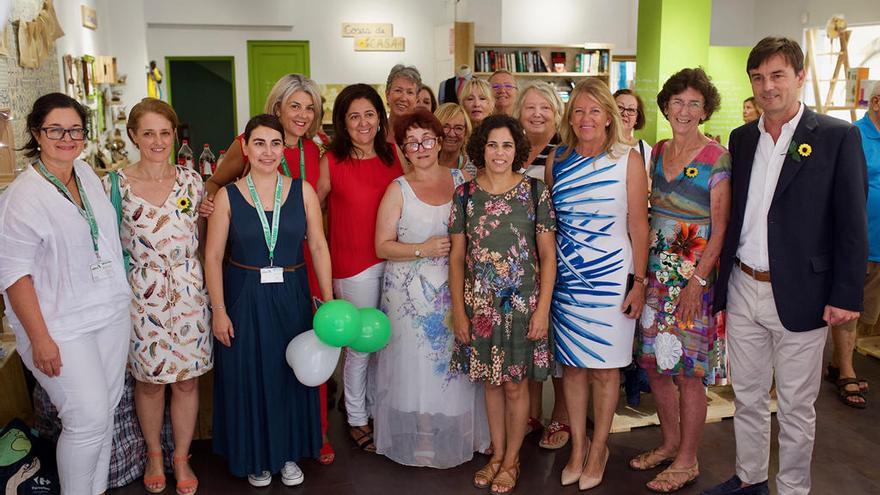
{"x":640,"y":280}
{"x":418,"y":253}
{"x":701,"y":280}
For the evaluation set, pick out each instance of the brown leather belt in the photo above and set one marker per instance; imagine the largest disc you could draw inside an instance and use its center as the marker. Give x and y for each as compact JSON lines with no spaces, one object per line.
{"x":755,"y":274}
{"x":290,"y":268}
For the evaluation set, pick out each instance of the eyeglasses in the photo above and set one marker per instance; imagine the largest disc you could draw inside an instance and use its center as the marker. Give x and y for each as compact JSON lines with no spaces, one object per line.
{"x":627,"y":111}
{"x":679,"y":103}
{"x":496,"y":87}
{"x":459,"y":129}
{"x":426,"y":144}
{"x":57,"y":133}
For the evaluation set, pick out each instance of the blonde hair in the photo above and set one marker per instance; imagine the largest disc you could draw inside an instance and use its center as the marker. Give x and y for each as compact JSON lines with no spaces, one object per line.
{"x":598,"y":91}
{"x":448,"y":111}
{"x":545,"y":90}
{"x":150,"y":105}
{"x":287,"y":86}
{"x":481,"y":85}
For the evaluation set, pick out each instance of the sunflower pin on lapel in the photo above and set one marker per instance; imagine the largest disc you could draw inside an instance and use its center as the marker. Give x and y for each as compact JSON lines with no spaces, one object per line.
{"x":798,"y":152}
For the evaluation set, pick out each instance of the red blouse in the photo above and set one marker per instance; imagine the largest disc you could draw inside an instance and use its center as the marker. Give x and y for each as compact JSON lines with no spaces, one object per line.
{"x":356,"y":189}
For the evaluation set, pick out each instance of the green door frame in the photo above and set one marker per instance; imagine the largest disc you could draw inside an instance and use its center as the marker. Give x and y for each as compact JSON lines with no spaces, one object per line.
{"x":230,"y":59}
{"x":252,"y":83}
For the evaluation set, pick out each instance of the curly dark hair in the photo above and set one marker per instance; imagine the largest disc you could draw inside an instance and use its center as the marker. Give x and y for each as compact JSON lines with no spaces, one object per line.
{"x":476,"y":146}
{"x":690,"y":78}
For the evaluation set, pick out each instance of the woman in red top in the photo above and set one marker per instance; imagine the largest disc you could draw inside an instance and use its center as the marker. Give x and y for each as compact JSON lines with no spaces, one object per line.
{"x":357,"y":168}
{"x":296,"y":101}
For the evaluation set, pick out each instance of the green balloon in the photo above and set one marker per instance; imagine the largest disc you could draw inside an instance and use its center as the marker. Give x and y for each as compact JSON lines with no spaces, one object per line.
{"x":375,"y":331}
{"x":337,"y":323}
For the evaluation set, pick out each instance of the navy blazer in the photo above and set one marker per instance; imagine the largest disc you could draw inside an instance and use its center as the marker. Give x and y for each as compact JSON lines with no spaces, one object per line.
{"x":817,"y":224}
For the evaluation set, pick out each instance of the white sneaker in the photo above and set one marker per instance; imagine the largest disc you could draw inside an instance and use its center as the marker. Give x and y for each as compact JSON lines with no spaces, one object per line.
{"x":291,"y":474}
{"x":260,"y":480}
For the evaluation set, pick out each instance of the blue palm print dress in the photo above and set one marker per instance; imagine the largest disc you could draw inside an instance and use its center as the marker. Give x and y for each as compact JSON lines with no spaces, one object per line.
{"x":594,"y":259}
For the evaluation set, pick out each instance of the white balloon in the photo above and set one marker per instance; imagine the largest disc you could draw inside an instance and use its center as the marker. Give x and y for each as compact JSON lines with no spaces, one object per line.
{"x":312,"y":361}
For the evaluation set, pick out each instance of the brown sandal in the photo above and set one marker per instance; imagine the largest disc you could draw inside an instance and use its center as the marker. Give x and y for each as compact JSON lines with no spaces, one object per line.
{"x":649,"y":460}
{"x":483,"y":478}
{"x":505,"y":479}
{"x":671,"y":478}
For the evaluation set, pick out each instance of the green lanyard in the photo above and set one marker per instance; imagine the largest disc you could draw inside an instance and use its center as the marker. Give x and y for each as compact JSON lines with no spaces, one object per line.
{"x":271,"y":236}
{"x":302,"y":161}
{"x":85,"y":211}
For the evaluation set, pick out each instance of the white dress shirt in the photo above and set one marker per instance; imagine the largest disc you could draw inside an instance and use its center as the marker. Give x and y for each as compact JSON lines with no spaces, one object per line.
{"x":42,"y":234}
{"x":767,"y":165}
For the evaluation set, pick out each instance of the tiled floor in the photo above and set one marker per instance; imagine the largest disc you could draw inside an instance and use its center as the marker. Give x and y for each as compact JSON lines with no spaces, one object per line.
{"x":843,"y":463}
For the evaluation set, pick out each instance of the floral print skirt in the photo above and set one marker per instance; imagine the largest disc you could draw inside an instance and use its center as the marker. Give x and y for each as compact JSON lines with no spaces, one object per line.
{"x":667,"y":344}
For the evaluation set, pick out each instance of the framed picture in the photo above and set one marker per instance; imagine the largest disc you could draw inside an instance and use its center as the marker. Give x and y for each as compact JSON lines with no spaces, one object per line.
{"x":89,"y":17}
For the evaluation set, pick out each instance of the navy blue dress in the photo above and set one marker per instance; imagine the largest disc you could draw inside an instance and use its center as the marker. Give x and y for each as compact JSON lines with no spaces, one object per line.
{"x":263,"y":416}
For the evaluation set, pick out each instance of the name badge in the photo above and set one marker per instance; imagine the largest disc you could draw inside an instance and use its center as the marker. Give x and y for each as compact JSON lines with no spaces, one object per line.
{"x":101,"y":270}
{"x":272,"y":275}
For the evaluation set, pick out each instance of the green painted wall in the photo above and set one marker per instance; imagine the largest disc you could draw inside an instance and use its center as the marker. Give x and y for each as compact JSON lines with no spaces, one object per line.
{"x":673,"y":34}
{"x":727,"y":68}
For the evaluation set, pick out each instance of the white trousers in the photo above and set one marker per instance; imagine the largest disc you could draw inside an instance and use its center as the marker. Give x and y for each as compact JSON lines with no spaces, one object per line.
{"x":86,"y":394}
{"x":363,"y":290}
{"x":759,"y":346}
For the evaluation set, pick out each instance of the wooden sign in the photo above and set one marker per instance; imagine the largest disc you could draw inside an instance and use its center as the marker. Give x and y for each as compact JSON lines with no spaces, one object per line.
{"x":89,"y":17}
{"x":379,"y":44}
{"x":355,"y":29}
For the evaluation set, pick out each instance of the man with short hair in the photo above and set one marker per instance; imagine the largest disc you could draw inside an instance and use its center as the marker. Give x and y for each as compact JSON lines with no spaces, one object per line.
{"x":793,"y":262}
{"x":850,"y":388}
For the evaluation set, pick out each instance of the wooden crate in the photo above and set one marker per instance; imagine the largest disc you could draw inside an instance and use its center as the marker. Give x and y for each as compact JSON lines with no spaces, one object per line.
{"x":869,"y":346}
{"x":720,"y":406}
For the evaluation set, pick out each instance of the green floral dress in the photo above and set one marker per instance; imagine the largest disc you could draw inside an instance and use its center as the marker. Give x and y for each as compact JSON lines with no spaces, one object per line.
{"x":501,"y":281}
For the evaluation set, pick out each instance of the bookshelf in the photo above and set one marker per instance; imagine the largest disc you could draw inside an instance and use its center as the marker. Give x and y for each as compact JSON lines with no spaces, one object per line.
{"x":550,"y":62}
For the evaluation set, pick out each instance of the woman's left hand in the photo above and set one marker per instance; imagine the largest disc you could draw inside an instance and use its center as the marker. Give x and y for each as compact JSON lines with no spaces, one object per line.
{"x":634,"y":301}
{"x":689,"y":302}
{"x":538,"y":325}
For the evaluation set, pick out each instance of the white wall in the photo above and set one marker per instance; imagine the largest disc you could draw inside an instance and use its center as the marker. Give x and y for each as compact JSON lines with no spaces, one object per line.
{"x":571,"y":21}
{"x":733,"y":23}
{"x":202,"y":27}
{"x":783,"y":17}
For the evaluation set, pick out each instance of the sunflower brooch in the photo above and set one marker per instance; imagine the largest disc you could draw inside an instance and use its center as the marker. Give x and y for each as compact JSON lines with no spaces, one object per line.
{"x":691,"y":172}
{"x":184,"y":205}
{"x":799,"y":151}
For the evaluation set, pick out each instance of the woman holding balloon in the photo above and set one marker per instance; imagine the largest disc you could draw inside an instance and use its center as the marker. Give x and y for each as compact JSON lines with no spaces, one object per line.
{"x":264,"y":419}
{"x":355,"y":171}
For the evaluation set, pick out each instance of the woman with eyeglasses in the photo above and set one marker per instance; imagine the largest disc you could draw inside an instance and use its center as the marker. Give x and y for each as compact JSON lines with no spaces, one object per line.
{"x":679,"y":345}
{"x":425,"y":415}
{"x":456,"y":131}
{"x":505,"y":89}
{"x":632,"y":116}
{"x":66,"y":292}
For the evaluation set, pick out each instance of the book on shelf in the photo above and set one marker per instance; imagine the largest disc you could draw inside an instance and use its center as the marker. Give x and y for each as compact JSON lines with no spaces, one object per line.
{"x":513,"y":61}
{"x":594,"y":62}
